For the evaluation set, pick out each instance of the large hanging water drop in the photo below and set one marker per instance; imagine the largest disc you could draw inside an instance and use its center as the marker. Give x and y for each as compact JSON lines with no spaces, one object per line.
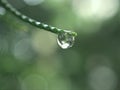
{"x":65,"y":39}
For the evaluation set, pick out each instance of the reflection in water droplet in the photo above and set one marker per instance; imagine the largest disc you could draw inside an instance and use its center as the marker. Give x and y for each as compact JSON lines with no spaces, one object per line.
{"x":65,"y":40}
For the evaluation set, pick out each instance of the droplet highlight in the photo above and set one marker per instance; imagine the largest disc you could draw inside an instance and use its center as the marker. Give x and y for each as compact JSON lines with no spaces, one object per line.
{"x":65,"y":39}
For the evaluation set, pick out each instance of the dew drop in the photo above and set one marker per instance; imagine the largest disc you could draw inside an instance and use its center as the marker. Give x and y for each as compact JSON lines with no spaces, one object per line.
{"x":65,"y":39}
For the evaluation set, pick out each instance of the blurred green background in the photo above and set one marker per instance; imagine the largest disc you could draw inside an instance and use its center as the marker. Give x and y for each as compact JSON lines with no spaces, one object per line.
{"x":30,"y":58}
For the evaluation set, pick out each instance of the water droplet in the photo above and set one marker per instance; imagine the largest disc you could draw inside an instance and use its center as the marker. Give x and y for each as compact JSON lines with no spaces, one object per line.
{"x":65,"y":39}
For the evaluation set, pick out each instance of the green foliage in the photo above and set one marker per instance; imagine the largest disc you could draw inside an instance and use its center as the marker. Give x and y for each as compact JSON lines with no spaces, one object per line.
{"x":30,"y":59}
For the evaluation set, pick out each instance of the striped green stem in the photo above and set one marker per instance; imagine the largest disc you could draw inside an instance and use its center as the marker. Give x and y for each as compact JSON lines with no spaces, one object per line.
{"x":38,"y":24}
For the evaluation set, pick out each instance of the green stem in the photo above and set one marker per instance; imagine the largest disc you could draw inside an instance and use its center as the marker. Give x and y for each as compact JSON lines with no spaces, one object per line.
{"x":38,"y":24}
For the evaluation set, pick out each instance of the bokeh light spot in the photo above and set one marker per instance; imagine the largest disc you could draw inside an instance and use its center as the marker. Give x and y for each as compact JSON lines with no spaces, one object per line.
{"x":44,"y":42}
{"x":34,"y":82}
{"x":22,"y":50}
{"x":96,"y":9}
{"x":102,"y":78}
{"x":2,"y":11}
